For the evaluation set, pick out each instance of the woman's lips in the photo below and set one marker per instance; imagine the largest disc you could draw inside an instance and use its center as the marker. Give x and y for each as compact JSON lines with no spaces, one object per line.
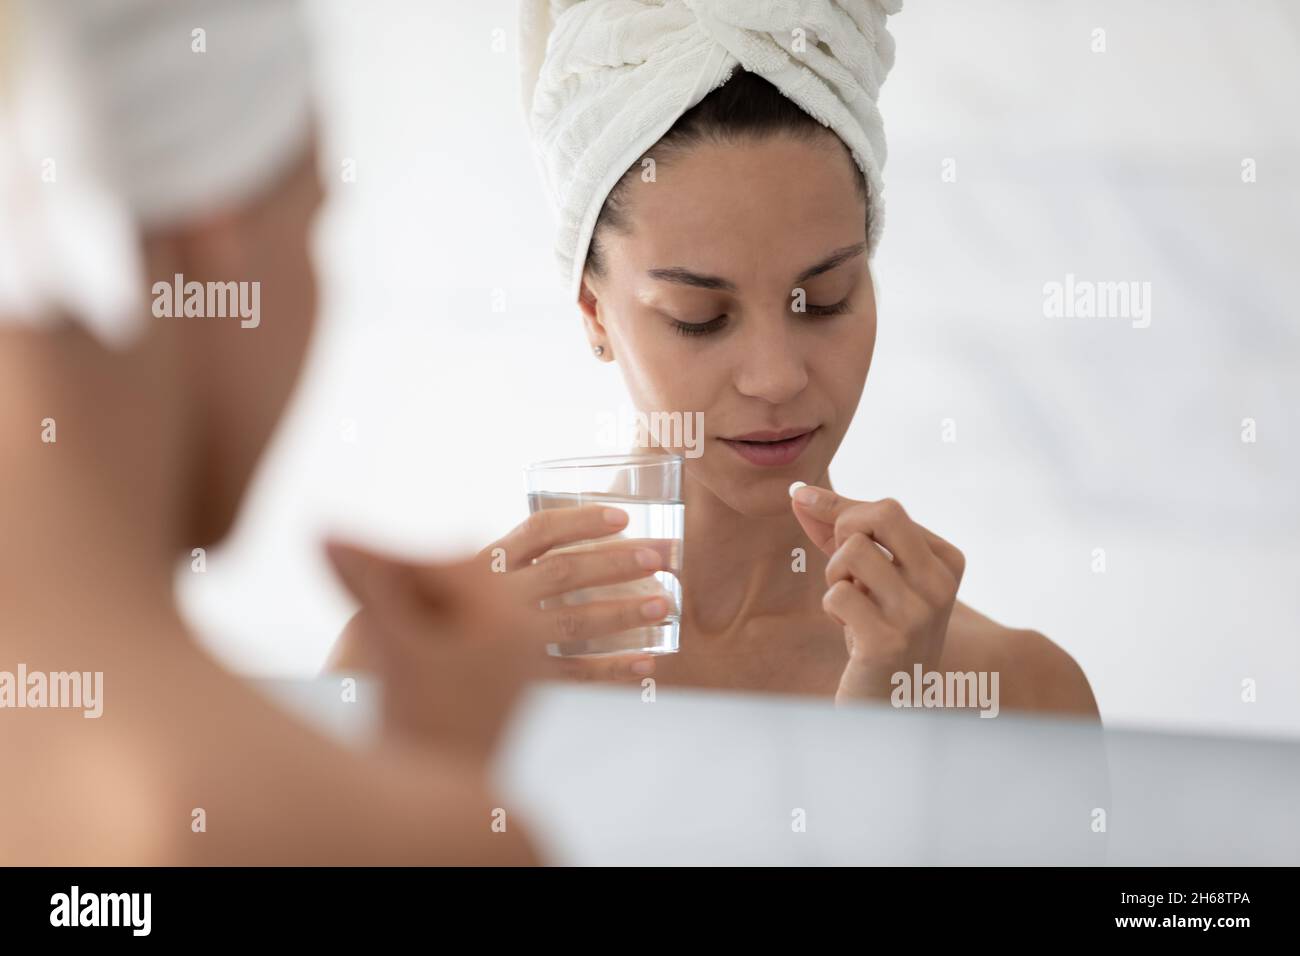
{"x":770,"y":449}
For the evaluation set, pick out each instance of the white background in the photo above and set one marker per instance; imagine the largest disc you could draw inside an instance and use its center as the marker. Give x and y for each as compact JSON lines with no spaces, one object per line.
{"x":1072,"y":434}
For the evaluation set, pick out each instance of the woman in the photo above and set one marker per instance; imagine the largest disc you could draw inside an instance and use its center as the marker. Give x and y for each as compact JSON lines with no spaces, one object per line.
{"x":724,"y":267}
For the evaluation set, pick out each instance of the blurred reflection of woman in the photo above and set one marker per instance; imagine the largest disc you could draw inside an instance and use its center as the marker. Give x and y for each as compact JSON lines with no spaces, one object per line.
{"x":128,"y":442}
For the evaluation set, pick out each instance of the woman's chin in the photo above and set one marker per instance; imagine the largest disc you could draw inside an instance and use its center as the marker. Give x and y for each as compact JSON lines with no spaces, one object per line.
{"x":766,"y":496}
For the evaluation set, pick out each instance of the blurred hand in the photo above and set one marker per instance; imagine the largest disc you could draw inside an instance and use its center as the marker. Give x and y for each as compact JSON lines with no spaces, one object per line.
{"x":454,"y":642}
{"x":894,"y":601}
{"x":452,"y":658}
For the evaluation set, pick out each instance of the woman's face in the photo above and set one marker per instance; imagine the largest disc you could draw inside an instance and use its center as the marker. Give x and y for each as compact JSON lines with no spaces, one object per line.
{"x":700,"y":307}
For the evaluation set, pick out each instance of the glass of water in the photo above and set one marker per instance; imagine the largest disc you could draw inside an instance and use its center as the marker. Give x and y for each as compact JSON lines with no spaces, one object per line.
{"x":647,"y":487}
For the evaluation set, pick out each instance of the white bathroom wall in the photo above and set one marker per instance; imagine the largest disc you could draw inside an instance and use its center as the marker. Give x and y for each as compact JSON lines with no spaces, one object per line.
{"x":422,"y":401}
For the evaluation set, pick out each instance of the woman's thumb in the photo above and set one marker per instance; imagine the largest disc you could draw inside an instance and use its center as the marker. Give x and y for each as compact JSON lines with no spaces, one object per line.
{"x":808,"y":503}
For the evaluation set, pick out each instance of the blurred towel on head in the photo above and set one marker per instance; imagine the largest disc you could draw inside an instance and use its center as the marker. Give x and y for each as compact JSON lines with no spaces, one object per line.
{"x":603,"y":80}
{"x":126,"y":114}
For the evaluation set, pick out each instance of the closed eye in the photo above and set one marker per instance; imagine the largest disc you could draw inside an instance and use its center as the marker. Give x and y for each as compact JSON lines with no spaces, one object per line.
{"x":839,"y":308}
{"x":700,"y":328}
{"x":716,"y":324}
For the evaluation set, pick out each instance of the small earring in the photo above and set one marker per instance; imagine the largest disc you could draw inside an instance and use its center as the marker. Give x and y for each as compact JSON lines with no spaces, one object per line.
{"x":598,"y":351}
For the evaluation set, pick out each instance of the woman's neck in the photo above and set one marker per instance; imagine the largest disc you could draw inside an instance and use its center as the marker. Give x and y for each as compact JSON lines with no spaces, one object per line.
{"x":93,"y":445}
{"x":738,"y":566}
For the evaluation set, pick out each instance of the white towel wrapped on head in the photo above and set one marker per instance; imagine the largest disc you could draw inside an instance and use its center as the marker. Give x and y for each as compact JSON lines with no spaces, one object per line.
{"x":603,"y":80}
{"x":128,"y":114}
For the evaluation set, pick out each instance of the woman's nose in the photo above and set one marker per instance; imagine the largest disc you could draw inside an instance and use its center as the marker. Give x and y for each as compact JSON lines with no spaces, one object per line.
{"x":770,"y":364}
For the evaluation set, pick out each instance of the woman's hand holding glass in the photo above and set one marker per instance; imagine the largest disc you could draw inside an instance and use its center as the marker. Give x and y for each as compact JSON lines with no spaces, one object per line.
{"x":545,"y":569}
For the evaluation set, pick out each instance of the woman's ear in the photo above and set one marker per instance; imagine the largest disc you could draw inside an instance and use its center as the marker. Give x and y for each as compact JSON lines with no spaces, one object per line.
{"x":589,"y":305}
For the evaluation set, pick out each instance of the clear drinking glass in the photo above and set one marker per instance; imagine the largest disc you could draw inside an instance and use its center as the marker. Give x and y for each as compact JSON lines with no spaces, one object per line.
{"x":649,"y":489}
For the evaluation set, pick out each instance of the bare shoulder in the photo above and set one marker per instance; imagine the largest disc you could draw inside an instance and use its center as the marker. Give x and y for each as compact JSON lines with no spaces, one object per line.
{"x":1036,"y":673}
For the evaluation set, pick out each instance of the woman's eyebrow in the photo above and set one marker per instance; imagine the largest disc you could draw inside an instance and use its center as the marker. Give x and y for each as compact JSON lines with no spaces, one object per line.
{"x":838,"y":257}
{"x":684,"y":276}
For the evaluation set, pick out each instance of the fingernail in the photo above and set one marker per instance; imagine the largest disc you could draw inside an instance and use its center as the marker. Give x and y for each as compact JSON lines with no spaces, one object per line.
{"x":643,"y":667}
{"x":805,"y":496}
{"x":654,"y":609}
{"x":615,"y":518}
{"x":648,"y":559}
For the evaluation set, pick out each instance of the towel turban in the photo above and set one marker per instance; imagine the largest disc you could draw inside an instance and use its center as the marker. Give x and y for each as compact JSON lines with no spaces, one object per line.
{"x":604,"y":80}
{"x":149,"y":123}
